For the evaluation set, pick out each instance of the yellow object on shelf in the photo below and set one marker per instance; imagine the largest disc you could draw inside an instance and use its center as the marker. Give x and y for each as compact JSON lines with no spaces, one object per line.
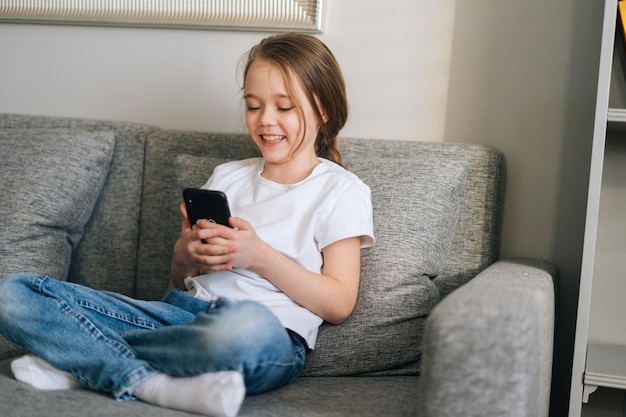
{"x":621,"y":5}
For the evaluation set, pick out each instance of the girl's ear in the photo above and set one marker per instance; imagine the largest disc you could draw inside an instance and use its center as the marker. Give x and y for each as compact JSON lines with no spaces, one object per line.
{"x":321,"y":110}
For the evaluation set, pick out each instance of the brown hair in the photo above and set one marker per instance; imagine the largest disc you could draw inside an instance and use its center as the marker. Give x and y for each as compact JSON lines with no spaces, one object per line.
{"x":311,"y":62}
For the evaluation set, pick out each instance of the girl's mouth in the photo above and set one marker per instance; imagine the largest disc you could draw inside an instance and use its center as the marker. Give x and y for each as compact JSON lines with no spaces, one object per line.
{"x":272,"y":138}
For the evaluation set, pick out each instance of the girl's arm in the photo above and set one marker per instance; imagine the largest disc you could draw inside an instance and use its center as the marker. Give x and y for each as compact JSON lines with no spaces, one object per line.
{"x":331,"y":295}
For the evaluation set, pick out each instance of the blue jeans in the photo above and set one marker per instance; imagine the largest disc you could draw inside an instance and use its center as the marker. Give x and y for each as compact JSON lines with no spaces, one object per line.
{"x":111,"y":342}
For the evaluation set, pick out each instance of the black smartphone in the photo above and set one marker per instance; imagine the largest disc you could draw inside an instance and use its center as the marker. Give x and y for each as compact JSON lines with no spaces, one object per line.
{"x":206,"y":204}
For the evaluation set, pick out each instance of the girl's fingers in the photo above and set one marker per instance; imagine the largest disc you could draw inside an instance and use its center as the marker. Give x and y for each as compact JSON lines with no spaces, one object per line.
{"x":215,"y":262}
{"x":218,"y":235}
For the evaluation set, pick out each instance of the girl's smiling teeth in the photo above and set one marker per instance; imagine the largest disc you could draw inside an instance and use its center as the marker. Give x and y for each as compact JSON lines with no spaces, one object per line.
{"x":272,"y":138}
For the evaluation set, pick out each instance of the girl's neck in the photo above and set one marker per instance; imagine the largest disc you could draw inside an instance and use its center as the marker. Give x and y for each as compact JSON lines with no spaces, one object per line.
{"x":290,"y":172}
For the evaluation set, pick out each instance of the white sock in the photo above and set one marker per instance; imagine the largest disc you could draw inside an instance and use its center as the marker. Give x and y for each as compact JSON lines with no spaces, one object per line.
{"x":217,"y":394}
{"x":40,"y":374}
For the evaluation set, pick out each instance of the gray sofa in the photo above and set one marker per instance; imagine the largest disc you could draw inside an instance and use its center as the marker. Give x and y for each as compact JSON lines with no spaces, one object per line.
{"x":442,"y":326}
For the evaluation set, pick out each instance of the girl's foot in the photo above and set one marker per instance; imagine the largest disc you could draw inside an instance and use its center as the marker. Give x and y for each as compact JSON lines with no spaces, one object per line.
{"x":218,"y":394}
{"x":40,"y":374}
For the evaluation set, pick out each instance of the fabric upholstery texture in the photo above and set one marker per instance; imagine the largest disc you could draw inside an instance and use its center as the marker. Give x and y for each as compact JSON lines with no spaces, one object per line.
{"x":477,"y":238}
{"x":106,"y":257}
{"x":194,"y":171}
{"x":305,"y":397}
{"x":50,"y":183}
{"x":456,"y":369}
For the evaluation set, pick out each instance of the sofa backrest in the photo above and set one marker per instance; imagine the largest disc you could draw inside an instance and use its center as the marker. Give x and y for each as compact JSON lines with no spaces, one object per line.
{"x":476,"y":240}
{"x":106,"y":256}
{"x":437,"y":216}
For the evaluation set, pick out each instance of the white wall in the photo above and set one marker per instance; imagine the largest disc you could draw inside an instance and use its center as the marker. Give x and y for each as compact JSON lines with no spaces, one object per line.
{"x":519,"y":76}
{"x":523,"y":79}
{"x":395,"y":58}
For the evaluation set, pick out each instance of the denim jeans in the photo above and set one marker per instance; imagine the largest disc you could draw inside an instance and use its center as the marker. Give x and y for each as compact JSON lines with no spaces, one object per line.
{"x":111,"y":342}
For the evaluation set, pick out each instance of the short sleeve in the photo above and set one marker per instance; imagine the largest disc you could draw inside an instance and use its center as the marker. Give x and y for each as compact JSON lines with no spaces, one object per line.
{"x":349,"y":215}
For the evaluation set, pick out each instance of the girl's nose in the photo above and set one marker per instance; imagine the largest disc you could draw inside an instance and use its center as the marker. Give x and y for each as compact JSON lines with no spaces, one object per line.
{"x":268,"y":117}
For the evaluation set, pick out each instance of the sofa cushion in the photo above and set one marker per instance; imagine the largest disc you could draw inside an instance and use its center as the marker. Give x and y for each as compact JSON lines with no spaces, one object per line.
{"x":416,"y":208}
{"x":477,"y":241}
{"x":51,"y":180}
{"x":194,"y":171}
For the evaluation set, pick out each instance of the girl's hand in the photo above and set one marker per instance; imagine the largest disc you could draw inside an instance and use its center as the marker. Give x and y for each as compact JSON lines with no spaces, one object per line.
{"x":204,"y":247}
{"x":248,"y":245}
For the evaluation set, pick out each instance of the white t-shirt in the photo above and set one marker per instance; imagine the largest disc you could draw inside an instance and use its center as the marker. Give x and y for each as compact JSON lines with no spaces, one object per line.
{"x":298,"y":220}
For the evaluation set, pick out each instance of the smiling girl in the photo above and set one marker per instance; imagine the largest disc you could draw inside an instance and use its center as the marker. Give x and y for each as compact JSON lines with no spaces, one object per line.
{"x":250,"y":298}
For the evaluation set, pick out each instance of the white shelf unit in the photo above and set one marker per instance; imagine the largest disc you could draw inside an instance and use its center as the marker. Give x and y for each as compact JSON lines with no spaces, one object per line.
{"x":606,"y":367}
{"x":616,"y":117}
{"x":600,"y":345}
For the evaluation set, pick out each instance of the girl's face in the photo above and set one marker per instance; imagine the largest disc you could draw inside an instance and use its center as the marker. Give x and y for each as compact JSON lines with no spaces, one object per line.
{"x":284,"y":133}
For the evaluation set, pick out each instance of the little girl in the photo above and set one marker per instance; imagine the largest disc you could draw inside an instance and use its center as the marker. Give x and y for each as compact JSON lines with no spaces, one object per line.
{"x":250,"y":298}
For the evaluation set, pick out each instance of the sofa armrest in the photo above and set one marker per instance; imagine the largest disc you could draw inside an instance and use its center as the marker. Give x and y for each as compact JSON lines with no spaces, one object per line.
{"x":488,"y":345}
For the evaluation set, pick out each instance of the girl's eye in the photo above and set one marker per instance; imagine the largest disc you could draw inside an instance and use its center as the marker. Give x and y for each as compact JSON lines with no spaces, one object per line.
{"x":253,"y":108}
{"x":285,"y":109}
